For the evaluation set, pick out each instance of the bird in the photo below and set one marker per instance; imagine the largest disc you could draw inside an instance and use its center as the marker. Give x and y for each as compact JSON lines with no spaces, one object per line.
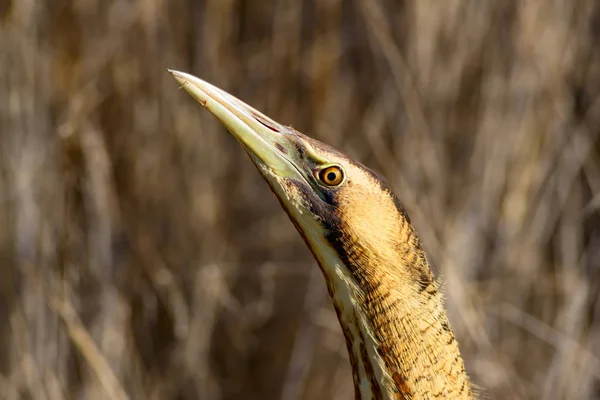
{"x":387,"y":300}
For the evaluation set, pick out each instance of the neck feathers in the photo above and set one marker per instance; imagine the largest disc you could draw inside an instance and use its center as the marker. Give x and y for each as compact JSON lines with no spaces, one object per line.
{"x":400,"y":342}
{"x":397,"y":332}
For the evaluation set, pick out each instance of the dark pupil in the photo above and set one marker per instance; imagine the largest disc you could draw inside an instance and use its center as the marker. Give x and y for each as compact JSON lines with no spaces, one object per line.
{"x":331,"y":176}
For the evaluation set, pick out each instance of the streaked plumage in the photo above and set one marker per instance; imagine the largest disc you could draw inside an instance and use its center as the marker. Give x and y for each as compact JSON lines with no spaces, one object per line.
{"x":398,"y":336}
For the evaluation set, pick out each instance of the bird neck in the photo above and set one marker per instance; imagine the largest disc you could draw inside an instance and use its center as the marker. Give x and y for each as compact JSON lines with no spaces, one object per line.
{"x":397,"y":332}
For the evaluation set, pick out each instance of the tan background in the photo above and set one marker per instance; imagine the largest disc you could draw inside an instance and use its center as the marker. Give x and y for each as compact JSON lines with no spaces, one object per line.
{"x":141,"y":254}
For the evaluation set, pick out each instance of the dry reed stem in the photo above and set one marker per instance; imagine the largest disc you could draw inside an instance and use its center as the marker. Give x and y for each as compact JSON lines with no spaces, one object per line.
{"x":185,"y":278}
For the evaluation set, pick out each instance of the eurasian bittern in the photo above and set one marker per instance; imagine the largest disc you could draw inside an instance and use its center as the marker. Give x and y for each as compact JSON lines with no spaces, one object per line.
{"x":399,"y":340}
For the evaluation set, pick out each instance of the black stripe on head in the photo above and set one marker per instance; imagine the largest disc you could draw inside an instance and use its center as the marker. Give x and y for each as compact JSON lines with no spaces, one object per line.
{"x":324,"y":209}
{"x":327,"y":212}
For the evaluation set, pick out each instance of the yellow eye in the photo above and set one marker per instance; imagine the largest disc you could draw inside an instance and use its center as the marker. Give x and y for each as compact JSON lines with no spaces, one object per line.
{"x":331,"y":176}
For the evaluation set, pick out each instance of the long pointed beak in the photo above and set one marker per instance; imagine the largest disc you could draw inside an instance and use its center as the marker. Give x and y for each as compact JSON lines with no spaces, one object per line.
{"x":264,"y":138}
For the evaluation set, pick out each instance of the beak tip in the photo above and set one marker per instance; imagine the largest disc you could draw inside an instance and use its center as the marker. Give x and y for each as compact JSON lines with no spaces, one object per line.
{"x":177,"y":75}
{"x":192,"y":85}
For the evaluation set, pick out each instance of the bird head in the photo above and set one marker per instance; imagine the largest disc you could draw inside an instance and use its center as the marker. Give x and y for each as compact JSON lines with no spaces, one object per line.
{"x":341,"y":208}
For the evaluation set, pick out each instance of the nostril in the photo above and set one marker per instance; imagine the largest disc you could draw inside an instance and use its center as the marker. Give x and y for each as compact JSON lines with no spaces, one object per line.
{"x":265,"y":122}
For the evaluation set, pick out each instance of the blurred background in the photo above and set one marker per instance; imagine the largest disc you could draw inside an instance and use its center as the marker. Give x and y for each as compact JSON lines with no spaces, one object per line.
{"x":143,"y":257}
